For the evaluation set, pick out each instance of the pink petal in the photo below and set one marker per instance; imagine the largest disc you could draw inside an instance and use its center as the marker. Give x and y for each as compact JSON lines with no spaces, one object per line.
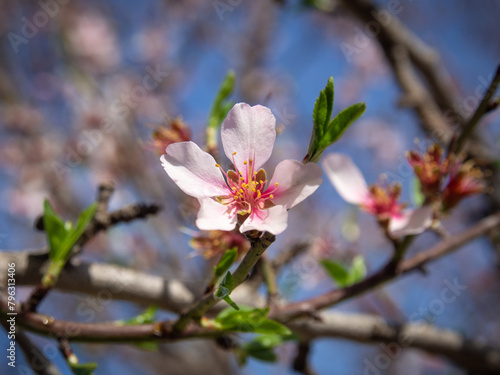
{"x":411,"y":222}
{"x":296,"y":181}
{"x":250,"y":132}
{"x":272,"y":220}
{"x":215,"y":216}
{"x":193,"y":170}
{"x":346,"y":178}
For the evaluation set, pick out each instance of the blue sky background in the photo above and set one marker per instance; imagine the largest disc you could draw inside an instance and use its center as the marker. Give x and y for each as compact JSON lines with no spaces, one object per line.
{"x":303,"y":50}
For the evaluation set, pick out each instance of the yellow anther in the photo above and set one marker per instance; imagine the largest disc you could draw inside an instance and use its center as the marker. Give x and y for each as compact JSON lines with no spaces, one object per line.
{"x":277,"y":183}
{"x":234,"y":188}
{"x":245,"y":162}
{"x":234,"y":153}
{"x":261,"y":181}
{"x":242,"y":179}
{"x":241,"y":191}
{"x":255,"y":172}
{"x":217,"y":165}
{"x":271,"y":196}
{"x":254,"y":190}
{"x":259,"y":194}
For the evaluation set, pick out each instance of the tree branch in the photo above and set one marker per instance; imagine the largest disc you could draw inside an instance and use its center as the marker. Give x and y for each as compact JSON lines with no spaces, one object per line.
{"x":471,"y":354}
{"x":258,"y":246}
{"x":388,"y":272}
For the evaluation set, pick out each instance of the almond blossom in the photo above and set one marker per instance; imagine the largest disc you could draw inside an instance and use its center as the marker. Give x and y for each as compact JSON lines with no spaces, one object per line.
{"x":378,"y":200}
{"x":244,"y":195}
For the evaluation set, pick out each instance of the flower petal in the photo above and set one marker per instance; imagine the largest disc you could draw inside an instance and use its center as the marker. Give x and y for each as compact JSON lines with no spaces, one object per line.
{"x":193,"y":170}
{"x":272,"y":220}
{"x":250,"y":132}
{"x":411,"y":222}
{"x":215,"y":216}
{"x":346,"y":178}
{"x":296,"y":182}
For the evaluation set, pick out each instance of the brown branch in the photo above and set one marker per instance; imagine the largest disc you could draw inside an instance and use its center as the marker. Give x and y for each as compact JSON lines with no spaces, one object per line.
{"x":388,"y":272}
{"x":258,"y":246}
{"x":394,"y":33}
{"x":481,"y":110}
{"x":471,"y":354}
{"x":301,"y":362}
{"x":99,"y":279}
{"x":34,"y":356}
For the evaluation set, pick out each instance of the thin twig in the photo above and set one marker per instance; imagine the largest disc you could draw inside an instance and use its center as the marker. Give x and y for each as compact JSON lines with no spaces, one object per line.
{"x":35,"y":358}
{"x":481,"y":110}
{"x":388,"y":272}
{"x":258,"y":246}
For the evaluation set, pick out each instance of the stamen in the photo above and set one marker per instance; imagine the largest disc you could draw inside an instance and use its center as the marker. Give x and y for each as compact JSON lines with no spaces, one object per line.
{"x":217,"y":165}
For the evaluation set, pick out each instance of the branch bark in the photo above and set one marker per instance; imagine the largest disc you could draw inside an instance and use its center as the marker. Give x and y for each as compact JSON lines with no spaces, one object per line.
{"x":470,"y":354}
{"x":388,"y":272}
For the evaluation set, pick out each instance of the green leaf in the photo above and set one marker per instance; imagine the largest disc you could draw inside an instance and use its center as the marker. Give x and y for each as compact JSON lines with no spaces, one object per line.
{"x":147,"y":317}
{"x":55,"y":230}
{"x":83,"y":369}
{"x":75,"y":234}
{"x":61,"y":235}
{"x":345,"y":277}
{"x":230,"y":317}
{"x":226,"y":262}
{"x":222,"y":292}
{"x":249,"y":319}
{"x":221,"y":105}
{"x":262,"y":347}
{"x":225,"y":288}
{"x":336,"y":271}
{"x":326,"y":132}
{"x":341,"y":122}
{"x":269,"y":326}
{"x":231,"y":303}
{"x":417,"y":197}
{"x":357,"y":272}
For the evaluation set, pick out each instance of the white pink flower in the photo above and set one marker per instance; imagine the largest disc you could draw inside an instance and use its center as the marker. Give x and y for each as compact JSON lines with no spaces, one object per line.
{"x":381,"y":201}
{"x":243,"y":195}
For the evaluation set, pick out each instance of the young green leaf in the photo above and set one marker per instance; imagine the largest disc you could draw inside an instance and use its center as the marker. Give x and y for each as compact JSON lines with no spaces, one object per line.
{"x":231,"y":303}
{"x":250,"y":320}
{"x":417,"y":197}
{"x":226,"y":262}
{"x":83,"y":368}
{"x":63,"y":236}
{"x":262,"y":347}
{"x":326,"y":132}
{"x":357,"y":271}
{"x":225,"y":288}
{"x":341,"y":122}
{"x":146,"y":317}
{"x":345,"y":277}
{"x":221,"y":106}
{"x":55,"y":230}
{"x":74,"y":234}
{"x":336,"y":271}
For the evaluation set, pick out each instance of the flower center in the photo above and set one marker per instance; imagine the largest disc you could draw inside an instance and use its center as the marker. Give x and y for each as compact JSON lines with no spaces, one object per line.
{"x":383,"y":201}
{"x":248,"y":189}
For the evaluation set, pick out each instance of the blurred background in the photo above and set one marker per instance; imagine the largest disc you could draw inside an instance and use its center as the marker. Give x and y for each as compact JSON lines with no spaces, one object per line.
{"x":84,"y":83}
